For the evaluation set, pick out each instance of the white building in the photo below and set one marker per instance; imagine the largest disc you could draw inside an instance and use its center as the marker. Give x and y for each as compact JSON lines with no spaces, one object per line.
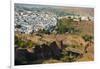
{"x":34,"y":22}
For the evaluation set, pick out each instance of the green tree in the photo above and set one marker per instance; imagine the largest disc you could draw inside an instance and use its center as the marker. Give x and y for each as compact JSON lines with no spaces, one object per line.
{"x":65,"y":25}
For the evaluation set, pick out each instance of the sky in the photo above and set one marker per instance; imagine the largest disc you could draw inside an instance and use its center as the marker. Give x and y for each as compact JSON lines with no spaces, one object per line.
{"x":81,"y":3}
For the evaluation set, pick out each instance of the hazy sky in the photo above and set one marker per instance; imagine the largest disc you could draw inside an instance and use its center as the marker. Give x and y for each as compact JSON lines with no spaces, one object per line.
{"x":81,"y":3}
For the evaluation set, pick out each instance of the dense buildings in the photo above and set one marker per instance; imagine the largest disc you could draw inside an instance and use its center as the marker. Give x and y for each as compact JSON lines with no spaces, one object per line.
{"x":34,"y":21}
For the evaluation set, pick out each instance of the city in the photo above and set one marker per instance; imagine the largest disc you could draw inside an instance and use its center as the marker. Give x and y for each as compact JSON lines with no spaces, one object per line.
{"x":53,"y":34}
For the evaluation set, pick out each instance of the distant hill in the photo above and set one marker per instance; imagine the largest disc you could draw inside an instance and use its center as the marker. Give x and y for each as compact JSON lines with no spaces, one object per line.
{"x":79,"y":10}
{"x":59,"y":10}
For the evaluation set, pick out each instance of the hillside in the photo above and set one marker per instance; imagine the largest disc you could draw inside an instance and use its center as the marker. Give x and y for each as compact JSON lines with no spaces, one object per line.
{"x":58,"y":9}
{"x":53,"y":34}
